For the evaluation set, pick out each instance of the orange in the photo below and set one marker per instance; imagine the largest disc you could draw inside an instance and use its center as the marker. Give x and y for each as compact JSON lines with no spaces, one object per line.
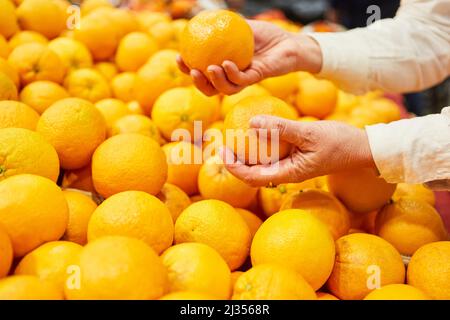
{"x":28,"y":288}
{"x":282,"y":86}
{"x":90,"y":5}
{"x":175,"y":199}
{"x":81,"y":208}
{"x":129,"y":162}
{"x":98,"y":34}
{"x":271,"y":281}
{"x":429,"y":269}
{"x":123,"y":19}
{"x":25,"y":151}
{"x":8,"y":20}
{"x":271,"y":198}
{"x":243,"y":141}
{"x":387,"y":109}
{"x":6,"y":252}
{"x":34,"y":61}
{"x":122,"y":86}
{"x":363,"y":262}
{"x":203,"y":40}
{"x":80,"y":179}
{"x":26,"y":36}
{"x":44,"y":205}
{"x":133,"y":214}
{"x":298,"y":240}
{"x":213,"y":139}
{"x":216,"y":182}
{"x":134,"y":50}
{"x":48,"y":17}
{"x":416,"y":191}
{"x":316,"y":98}
{"x":218,"y":225}
{"x":73,"y":53}
{"x":107,"y":69}
{"x":184,"y":162}
{"x":323,"y":206}
{"x":187,"y":295}
{"x":50,"y":262}
{"x":111,"y":110}
{"x":40,"y":95}
{"x":115,"y":267}
{"x":325,"y":296}
{"x":252,"y":220}
{"x":88,"y":84}
{"x":159,"y":74}
{"x":198,"y":268}
{"x":8,"y":70}
{"x":4,"y":47}
{"x":165,"y":34}
{"x":8,"y":90}
{"x":408,"y":224}
{"x":228,"y":102}
{"x":147,"y":19}
{"x":396,"y":292}
{"x":234,"y":278}
{"x":196,"y":198}
{"x":360,"y":190}
{"x":75,"y":128}
{"x":17,"y":115}
{"x":136,"y":123}
{"x":180,"y":108}
{"x":346,"y":102}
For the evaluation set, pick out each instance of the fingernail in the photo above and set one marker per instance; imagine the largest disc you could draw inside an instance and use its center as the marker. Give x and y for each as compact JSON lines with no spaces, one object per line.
{"x":256,"y":121}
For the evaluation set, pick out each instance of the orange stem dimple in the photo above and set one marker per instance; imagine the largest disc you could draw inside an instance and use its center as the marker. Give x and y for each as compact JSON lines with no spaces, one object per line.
{"x":2,"y":170}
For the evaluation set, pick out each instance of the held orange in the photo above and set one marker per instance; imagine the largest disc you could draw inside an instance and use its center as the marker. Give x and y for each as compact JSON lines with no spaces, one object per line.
{"x":212,"y":37}
{"x":244,"y":141}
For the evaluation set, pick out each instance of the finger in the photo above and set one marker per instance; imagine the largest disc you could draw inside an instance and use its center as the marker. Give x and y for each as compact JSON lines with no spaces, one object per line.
{"x":288,"y":130}
{"x":260,"y":175}
{"x":182,"y":66}
{"x":219,"y":80}
{"x":241,"y":78}
{"x":202,"y":83}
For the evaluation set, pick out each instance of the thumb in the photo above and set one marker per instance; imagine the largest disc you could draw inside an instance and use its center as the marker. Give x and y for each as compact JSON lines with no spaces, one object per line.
{"x":288,"y":130}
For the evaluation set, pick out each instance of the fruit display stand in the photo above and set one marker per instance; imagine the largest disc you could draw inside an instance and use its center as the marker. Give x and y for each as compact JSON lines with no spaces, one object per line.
{"x":98,"y":201}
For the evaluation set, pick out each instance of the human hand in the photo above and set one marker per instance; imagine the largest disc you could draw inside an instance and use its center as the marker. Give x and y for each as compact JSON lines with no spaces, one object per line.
{"x":277,"y":52}
{"x":319,"y":148}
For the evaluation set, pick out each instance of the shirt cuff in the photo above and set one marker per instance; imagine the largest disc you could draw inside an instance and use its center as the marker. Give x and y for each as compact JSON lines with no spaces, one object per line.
{"x":345,"y":61}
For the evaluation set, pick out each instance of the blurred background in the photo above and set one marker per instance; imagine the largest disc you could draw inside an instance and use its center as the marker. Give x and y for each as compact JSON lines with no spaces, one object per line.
{"x":310,"y":15}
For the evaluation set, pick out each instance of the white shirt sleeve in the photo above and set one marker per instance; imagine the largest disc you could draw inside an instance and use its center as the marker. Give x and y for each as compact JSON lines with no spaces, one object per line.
{"x":408,"y":53}
{"x":413,"y":150}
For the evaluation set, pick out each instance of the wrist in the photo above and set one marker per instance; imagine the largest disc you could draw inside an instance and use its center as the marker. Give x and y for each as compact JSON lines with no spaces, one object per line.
{"x":364,"y":158}
{"x":309,"y":54}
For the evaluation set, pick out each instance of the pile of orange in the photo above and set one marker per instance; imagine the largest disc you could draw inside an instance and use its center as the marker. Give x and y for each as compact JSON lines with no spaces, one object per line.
{"x":93,"y":181}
